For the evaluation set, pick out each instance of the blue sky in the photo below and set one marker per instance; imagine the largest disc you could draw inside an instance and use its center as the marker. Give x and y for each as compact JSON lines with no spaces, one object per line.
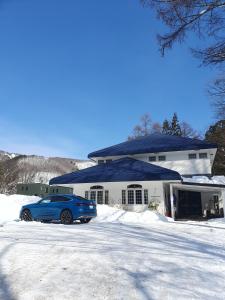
{"x":76,"y":76}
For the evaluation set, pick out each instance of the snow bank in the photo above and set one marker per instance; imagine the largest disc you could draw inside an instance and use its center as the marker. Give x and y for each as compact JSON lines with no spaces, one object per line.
{"x":10,"y":206}
{"x":111,"y":214}
{"x":205,"y":179}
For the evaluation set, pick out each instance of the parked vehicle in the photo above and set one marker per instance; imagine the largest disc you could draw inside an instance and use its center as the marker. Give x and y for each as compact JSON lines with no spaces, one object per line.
{"x":64,"y":208}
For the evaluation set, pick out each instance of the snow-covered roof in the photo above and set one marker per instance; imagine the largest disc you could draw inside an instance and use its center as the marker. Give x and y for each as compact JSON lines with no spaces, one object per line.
{"x":124,"y":169}
{"x":152,"y":144}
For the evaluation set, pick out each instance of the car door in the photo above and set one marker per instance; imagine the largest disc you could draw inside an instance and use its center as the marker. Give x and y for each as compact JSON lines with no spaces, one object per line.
{"x":41,"y":209}
{"x":58,"y":203}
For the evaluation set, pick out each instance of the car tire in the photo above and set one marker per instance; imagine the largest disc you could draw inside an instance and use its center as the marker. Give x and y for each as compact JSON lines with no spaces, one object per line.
{"x":26,"y":215}
{"x":85,"y":220}
{"x":66,"y":217}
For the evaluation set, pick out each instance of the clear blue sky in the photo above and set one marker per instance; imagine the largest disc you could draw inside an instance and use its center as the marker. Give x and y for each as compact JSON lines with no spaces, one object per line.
{"x":76,"y":75}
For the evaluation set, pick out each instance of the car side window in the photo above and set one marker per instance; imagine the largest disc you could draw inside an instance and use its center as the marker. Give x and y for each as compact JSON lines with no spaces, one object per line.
{"x":45,"y":200}
{"x":59,"y":199}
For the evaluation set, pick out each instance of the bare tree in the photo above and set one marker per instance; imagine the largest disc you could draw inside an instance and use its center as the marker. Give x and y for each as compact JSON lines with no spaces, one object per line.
{"x":217,"y":92}
{"x":188,"y":131}
{"x":145,"y":127}
{"x":205,"y":18}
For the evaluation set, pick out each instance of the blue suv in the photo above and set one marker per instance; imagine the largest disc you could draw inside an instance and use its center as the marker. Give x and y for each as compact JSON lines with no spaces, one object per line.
{"x":65,"y":208}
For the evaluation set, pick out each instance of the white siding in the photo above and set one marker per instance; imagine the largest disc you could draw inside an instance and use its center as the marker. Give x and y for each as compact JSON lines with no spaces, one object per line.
{"x":179,"y":161}
{"x":155,"y":193}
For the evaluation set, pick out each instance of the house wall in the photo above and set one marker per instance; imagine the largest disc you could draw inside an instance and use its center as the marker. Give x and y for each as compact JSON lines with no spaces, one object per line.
{"x":178,"y":161}
{"x":155,"y":193}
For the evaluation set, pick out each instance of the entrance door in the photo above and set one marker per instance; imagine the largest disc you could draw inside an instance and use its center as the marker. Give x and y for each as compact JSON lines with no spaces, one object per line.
{"x":189,"y":204}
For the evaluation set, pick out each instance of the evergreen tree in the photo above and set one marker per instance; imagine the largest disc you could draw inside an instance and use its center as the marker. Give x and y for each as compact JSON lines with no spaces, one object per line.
{"x":166,"y":128}
{"x":216,"y":134}
{"x":175,"y":126}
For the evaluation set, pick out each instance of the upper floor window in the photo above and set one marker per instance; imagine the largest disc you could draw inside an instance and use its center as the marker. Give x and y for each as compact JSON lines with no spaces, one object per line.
{"x":101,"y":161}
{"x":192,"y":155}
{"x":108,"y":160}
{"x":202,"y":155}
{"x":152,"y":158}
{"x":162,"y":157}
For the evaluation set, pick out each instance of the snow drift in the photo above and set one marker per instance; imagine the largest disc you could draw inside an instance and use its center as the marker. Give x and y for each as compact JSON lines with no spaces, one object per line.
{"x":10,"y":207}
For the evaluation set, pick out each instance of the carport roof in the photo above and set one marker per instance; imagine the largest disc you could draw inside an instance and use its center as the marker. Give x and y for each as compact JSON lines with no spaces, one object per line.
{"x":124,"y":169}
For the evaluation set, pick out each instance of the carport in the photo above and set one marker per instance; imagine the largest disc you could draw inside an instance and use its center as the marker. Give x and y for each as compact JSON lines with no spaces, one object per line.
{"x":190,"y":200}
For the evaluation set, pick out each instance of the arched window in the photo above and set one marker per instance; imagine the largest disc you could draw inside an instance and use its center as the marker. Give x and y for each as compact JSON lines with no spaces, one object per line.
{"x":96,"y":187}
{"x":98,"y":194}
{"x":135,"y":195}
{"x":134,"y":186}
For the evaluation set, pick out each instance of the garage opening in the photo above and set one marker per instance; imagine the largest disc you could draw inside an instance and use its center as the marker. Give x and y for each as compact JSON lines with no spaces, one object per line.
{"x":189,"y":205}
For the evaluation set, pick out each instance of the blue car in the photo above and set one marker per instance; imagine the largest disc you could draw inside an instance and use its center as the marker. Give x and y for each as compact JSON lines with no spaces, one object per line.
{"x":64,"y":208}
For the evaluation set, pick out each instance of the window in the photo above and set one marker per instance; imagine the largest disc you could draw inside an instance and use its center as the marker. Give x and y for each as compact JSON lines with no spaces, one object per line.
{"x":100,"y":161}
{"x":45,"y":200}
{"x":59,"y":199}
{"x":22,"y":188}
{"x":152,"y":158}
{"x":96,"y":187}
{"x":108,"y":160}
{"x":134,"y":186}
{"x":46,"y":190}
{"x":57,"y":190}
{"x":130,"y":196}
{"x":26,"y":188}
{"x":146,"y":197}
{"x":123,"y":196}
{"x":53,"y":190}
{"x":106,"y":197}
{"x":202,"y":155}
{"x":192,"y":156}
{"x":86,"y":195}
{"x":93,"y":195}
{"x":138,"y":194}
{"x":162,"y":157}
{"x":100,"y":197}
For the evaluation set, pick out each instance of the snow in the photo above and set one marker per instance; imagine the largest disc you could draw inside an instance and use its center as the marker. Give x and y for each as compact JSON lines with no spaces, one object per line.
{"x":119,"y":255}
{"x":10,"y":206}
{"x":205,"y":179}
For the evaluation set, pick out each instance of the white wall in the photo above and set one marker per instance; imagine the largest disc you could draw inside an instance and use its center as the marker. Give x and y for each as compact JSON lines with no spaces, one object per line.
{"x":179,"y":161}
{"x":155,"y":192}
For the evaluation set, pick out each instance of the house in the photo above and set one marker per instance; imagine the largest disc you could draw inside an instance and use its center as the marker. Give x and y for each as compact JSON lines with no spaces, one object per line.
{"x":41,"y":189}
{"x":152,"y":171}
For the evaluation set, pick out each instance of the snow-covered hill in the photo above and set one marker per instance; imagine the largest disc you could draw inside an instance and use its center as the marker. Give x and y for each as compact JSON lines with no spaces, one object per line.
{"x":33,"y":168}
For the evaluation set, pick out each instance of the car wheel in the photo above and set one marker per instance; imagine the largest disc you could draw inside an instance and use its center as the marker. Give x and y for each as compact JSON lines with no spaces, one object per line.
{"x":85,"y":220}
{"x":26,"y":215}
{"x":66,"y":217}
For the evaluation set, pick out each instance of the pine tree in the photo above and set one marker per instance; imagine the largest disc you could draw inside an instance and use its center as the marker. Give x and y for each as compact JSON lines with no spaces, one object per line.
{"x":166,"y":128}
{"x":216,"y":134}
{"x":175,"y":126}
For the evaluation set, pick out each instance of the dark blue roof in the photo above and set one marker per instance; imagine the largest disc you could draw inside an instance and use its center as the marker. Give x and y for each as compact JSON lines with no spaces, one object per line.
{"x":124,"y":169}
{"x":152,"y":144}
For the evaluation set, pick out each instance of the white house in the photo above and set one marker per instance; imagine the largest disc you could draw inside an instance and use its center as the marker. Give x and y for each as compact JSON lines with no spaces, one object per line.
{"x":150,"y":172}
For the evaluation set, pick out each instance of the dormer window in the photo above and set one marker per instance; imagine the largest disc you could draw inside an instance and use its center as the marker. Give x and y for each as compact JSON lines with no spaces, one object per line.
{"x":203,"y":155}
{"x":162,"y":157}
{"x":152,"y":158}
{"x":192,"y":155}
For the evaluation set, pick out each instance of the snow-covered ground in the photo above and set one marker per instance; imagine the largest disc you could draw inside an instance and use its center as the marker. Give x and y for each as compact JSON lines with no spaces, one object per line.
{"x":120,"y":255}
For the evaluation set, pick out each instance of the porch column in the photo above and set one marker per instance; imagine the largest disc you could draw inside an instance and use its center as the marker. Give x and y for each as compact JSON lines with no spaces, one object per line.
{"x":223,"y":198}
{"x":171,"y":201}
